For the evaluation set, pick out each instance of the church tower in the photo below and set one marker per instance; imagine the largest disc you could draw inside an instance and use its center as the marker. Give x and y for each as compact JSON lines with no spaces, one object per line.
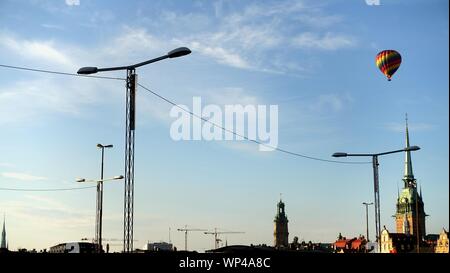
{"x":281,"y":234}
{"x":410,"y":215}
{"x":3,"y":244}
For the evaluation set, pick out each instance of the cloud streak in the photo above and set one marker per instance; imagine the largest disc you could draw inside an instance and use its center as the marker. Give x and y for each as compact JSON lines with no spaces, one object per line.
{"x":72,"y":2}
{"x":400,"y":127}
{"x":328,"y":41}
{"x":23,"y":176}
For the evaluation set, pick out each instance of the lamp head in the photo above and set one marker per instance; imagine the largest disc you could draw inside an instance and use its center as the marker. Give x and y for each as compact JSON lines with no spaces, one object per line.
{"x":178,"y":52}
{"x":87,"y":70}
{"x":413,"y":148}
{"x":339,"y":154}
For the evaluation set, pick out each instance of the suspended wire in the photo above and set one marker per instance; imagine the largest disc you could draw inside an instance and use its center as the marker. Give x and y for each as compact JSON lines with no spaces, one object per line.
{"x":59,"y":73}
{"x":246,"y":138}
{"x":62,"y":189}
{"x":192,"y":114}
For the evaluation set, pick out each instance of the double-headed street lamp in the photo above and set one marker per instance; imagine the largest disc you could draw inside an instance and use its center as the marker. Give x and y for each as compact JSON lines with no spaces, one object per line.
{"x":99,"y":214}
{"x":376,"y":183}
{"x":99,"y":208}
{"x":129,"y":135}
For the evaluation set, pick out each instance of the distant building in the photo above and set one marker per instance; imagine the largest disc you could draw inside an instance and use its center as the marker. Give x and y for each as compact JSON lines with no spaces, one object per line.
{"x":442,"y":242}
{"x":160,"y":246}
{"x":396,"y":242}
{"x":252,"y":249}
{"x":74,"y":247}
{"x":354,"y":245}
{"x":281,"y":234}
{"x":3,"y":243}
{"x":430,"y":242}
{"x":310,"y":246}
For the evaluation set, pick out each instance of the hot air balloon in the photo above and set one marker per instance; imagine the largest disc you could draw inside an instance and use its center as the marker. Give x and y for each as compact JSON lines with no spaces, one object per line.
{"x":388,"y":61}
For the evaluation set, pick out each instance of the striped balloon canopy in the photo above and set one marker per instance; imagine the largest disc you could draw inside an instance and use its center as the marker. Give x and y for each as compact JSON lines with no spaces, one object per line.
{"x":388,"y":61}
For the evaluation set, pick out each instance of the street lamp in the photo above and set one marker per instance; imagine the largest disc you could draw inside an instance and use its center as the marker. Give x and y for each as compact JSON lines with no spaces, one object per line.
{"x":99,"y":208}
{"x":367,"y":218}
{"x":99,"y":205}
{"x":376,"y":183}
{"x":81,"y":180}
{"x":130,"y":133}
{"x":99,"y":214}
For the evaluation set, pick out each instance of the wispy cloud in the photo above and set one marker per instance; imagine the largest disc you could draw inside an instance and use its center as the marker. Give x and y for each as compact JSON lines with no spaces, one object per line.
{"x":400,"y":127}
{"x":222,"y":55}
{"x":43,"y":211}
{"x":328,"y":41}
{"x":51,"y":26}
{"x":333,"y":102}
{"x":73,"y":2}
{"x":318,"y":20}
{"x":23,"y":176}
{"x":35,"y":50}
{"x":6,"y":165}
{"x":258,"y":36}
{"x":39,"y":97}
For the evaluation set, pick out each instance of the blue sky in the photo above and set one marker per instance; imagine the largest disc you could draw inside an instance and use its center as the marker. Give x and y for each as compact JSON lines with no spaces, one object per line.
{"x":314,"y":59}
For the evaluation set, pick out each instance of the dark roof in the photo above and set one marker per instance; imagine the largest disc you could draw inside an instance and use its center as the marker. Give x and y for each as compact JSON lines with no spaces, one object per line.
{"x":242,"y":248}
{"x":431,"y":237}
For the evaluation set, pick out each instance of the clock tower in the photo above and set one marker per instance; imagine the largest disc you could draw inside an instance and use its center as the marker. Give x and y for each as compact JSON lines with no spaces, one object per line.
{"x":281,"y":234}
{"x":410,"y":214}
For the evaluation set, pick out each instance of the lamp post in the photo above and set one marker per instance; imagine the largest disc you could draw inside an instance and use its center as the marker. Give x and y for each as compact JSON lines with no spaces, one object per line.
{"x":367,"y":218}
{"x":99,"y":214}
{"x":129,"y":135}
{"x":376,"y":183}
{"x":99,"y":207}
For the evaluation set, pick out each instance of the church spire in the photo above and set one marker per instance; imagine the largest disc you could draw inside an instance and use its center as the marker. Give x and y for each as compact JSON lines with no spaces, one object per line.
{"x":3,"y":242}
{"x":408,"y":177}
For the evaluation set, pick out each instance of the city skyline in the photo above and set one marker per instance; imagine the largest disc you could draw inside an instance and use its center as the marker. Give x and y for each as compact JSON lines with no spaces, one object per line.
{"x":316,"y":61}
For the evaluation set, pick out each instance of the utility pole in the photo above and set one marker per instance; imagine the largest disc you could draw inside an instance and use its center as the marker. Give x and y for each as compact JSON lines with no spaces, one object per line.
{"x":377,"y":200}
{"x":129,"y":160}
{"x":129,"y":135}
{"x":417,"y":221}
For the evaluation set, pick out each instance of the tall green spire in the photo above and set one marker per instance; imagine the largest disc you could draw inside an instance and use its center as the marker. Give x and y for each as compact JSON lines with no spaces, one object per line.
{"x":408,"y":176}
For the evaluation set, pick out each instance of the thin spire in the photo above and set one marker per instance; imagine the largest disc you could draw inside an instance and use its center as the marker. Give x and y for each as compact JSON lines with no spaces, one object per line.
{"x":408,"y":177}
{"x":3,"y":243}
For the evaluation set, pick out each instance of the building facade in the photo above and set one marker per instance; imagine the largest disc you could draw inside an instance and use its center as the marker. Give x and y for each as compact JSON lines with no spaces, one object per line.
{"x":353,"y":245}
{"x":396,"y":242}
{"x":281,"y":233}
{"x":442,"y":242}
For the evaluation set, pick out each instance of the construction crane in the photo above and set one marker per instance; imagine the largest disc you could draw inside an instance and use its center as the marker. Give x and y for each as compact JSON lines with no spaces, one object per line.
{"x":185,"y":229}
{"x":216,"y":239}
